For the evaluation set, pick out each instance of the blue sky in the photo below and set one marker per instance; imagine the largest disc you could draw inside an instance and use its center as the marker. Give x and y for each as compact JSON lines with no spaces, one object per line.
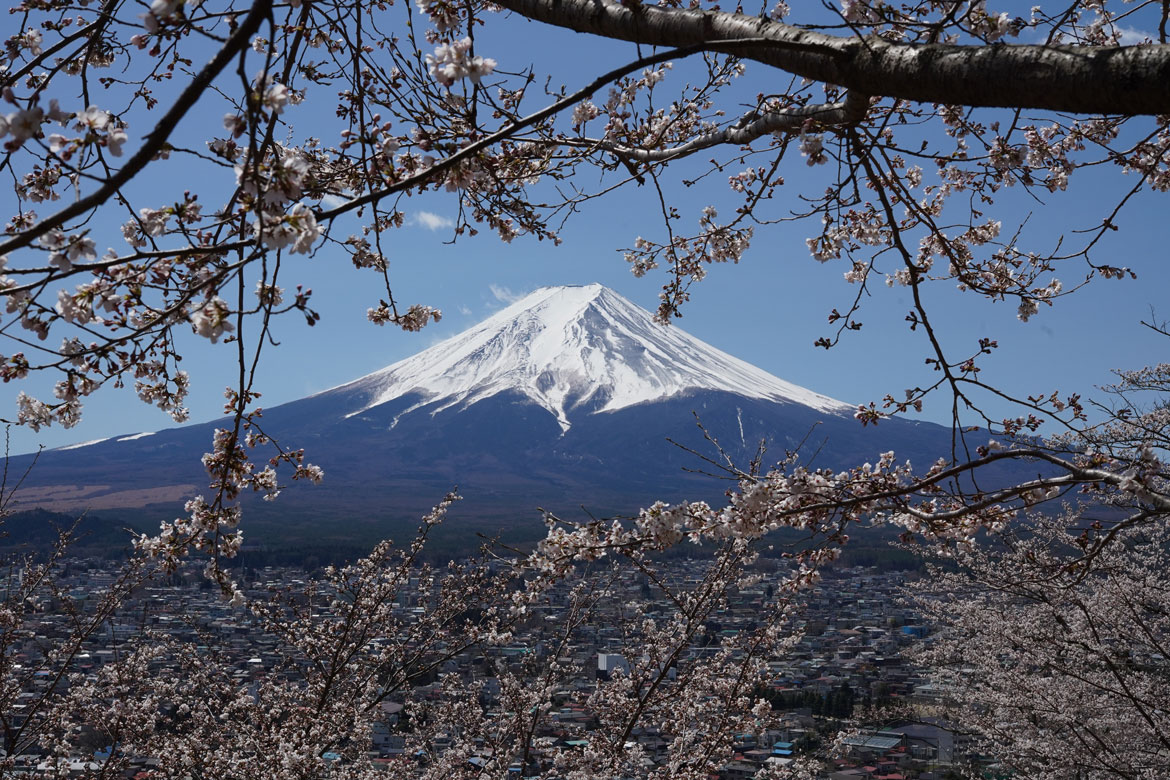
{"x":767,"y":310}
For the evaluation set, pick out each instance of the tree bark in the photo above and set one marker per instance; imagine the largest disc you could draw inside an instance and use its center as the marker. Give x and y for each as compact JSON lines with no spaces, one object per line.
{"x":1081,"y":80}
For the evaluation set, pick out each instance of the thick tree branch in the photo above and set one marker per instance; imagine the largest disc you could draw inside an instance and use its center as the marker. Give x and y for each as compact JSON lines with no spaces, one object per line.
{"x":1089,"y":80}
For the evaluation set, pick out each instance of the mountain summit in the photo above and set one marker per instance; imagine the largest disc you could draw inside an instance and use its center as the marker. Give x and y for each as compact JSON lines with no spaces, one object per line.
{"x":570,"y":397}
{"x":572,"y":349}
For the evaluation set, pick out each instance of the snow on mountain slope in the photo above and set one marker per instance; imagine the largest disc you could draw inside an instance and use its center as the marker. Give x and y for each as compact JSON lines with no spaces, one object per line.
{"x":573,"y":348}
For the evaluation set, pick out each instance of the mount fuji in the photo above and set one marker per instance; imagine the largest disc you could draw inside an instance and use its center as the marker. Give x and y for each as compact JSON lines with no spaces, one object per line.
{"x":572,"y":351}
{"x":566,"y":398}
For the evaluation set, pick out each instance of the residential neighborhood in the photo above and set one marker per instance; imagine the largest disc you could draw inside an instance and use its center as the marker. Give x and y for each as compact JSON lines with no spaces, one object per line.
{"x":843,"y":696}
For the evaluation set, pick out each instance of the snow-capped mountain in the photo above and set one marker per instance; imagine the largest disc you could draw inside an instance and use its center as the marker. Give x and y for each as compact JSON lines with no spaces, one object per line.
{"x":570,"y":397}
{"x":569,"y":349}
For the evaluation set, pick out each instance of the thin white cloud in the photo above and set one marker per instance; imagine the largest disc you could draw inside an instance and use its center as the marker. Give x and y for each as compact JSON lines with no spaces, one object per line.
{"x":1131,"y":36}
{"x":464,"y":310}
{"x":432,"y":221}
{"x":333,"y":201}
{"x":503,"y":294}
{"x":1126,"y":36}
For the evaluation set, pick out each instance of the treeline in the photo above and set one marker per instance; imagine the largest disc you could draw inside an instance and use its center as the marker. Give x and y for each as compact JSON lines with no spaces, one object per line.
{"x":839,"y":702}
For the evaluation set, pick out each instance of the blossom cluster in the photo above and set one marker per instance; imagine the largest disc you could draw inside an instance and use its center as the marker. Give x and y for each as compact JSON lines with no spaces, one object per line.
{"x":414,"y":319}
{"x":451,"y":62}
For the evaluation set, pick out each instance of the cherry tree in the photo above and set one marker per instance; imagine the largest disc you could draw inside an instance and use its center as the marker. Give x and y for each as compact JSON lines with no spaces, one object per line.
{"x":1053,"y":630}
{"x":1053,"y":650}
{"x":909,"y":124}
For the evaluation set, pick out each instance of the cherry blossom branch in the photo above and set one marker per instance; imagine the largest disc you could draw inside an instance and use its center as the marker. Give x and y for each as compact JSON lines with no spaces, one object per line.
{"x":236,"y":43}
{"x":100,"y":265}
{"x":88,"y":31}
{"x":474,"y":148}
{"x":1075,"y":475}
{"x":849,"y":111}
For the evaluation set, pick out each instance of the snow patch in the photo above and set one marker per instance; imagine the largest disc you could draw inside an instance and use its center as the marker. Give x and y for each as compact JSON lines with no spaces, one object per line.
{"x":79,"y":445}
{"x":136,"y":436}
